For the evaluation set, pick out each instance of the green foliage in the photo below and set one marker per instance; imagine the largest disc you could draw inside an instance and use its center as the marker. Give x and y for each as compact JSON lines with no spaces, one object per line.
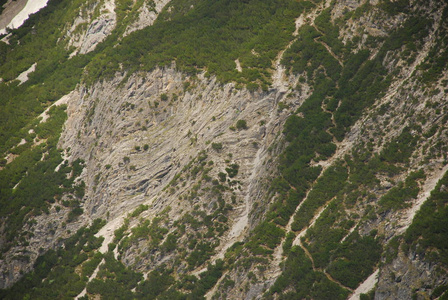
{"x":156,"y":283}
{"x":164,"y":97}
{"x":232,"y":170}
{"x":299,"y":279}
{"x":400,"y":149}
{"x":241,"y":124}
{"x":307,"y":55}
{"x":324,"y":190}
{"x":253,"y":32}
{"x":146,"y":230}
{"x":438,"y":291}
{"x":330,"y":32}
{"x":217,"y":146}
{"x":395,"y":7}
{"x":369,"y":296}
{"x":224,"y":32}
{"x":325,"y":236}
{"x":89,"y":266}
{"x":30,"y":184}
{"x":222,"y":176}
{"x":54,"y":76}
{"x":345,"y":91}
{"x":265,"y":237}
{"x":288,"y":243}
{"x":427,"y":234}
{"x":202,"y":251}
{"x":114,"y":280}
{"x":74,"y":213}
{"x":54,"y":275}
{"x":391,"y":250}
{"x":436,"y":61}
{"x":119,"y":233}
{"x":399,"y":196}
{"x":170,"y":243}
{"x":207,"y":281}
{"x":141,"y":208}
{"x":355,"y":260}
{"x":370,"y":82}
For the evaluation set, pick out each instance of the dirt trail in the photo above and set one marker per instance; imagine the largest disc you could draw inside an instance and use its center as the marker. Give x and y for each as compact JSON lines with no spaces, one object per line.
{"x":341,"y":147}
{"x":317,"y":40}
{"x":335,"y":281}
{"x":330,"y":51}
{"x":308,"y":254}
{"x":329,"y":277}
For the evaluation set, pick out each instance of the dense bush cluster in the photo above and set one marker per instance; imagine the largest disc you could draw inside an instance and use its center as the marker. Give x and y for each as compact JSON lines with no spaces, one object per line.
{"x":30,"y":184}
{"x":211,"y":36}
{"x":427,"y":235}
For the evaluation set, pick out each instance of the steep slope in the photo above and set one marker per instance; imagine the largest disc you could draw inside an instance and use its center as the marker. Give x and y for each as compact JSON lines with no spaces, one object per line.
{"x":16,"y":12}
{"x":299,"y":152}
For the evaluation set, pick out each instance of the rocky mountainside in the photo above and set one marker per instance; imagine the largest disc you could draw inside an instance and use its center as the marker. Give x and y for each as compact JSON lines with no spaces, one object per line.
{"x":190,"y":149}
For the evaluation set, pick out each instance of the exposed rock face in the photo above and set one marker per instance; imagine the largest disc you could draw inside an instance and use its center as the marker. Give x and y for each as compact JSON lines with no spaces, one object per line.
{"x":111,"y":123}
{"x":115,"y":122}
{"x":407,"y":277}
{"x":147,"y":14}
{"x":17,"y":12}
{"x":46,"y":232}
{"x":98,"y":30}
{"x":11,"y":9}
{"x":86,"y":33}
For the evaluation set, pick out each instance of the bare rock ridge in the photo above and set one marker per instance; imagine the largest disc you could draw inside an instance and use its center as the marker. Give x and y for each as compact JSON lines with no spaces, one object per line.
{"x":16,"y":13}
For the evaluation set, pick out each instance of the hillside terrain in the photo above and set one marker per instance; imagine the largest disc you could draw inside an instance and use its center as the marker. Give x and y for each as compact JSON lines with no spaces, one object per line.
{"x":203,"y":149}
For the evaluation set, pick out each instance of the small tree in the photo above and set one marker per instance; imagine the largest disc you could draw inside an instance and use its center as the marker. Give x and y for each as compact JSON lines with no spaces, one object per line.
{"x":222,"y":176}
{"x":241,"y":124}
{"x":232,"y":170}
{"x":217,"y":146}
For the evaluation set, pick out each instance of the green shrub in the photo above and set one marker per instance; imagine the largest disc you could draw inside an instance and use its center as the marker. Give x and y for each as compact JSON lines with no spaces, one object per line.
{"x":232,"y":170}
{"x":164,"y":97}
{"x":217,"y":146}
{"x":222,"y":176}
{"x":241,"y":124}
